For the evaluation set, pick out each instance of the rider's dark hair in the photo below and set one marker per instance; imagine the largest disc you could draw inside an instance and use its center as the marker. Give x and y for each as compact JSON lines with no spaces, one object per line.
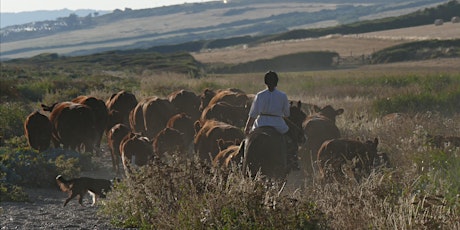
{"x":271,"y":78}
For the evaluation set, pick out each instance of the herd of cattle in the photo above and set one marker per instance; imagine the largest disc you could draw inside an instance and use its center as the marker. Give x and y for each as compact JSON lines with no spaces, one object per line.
{"x":209,"y":124}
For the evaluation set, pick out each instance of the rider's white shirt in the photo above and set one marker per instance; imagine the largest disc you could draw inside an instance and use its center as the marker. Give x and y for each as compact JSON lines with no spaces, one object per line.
{"x":269,"y":108}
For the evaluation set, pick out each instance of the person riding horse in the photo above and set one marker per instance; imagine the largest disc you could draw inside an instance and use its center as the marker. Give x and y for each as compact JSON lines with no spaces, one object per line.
{"x":270,"y":108}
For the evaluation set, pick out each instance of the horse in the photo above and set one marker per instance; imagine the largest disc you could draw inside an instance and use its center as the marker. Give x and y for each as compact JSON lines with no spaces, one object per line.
{"x":266,"y":149}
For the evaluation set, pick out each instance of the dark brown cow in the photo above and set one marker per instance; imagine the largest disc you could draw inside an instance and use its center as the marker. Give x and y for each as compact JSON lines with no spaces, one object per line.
{"x":186,"y":102}
{"x":119,"y":106}
{"x":114,"y":137}
{"x":184,"y":124}
{"x":135,"y":150}
{"x":229,"y":151}
{"x":318,"y":128}
{"x":37,"y":129}
{"x":340,"y":158}
{"x":101,"y":114}
{"x":223,"y":111}
{"x":151,"y":115}
{"x":73,"y":125}
{"x":232,"y":96}
{"x":206,"y":137}
{"x":168,"y":142}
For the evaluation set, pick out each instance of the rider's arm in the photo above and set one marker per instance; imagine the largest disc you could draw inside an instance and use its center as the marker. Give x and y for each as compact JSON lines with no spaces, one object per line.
{"x":249,"y":124}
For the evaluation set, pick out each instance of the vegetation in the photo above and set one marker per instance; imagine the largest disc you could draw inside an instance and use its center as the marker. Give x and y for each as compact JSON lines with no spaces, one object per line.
{"x":418,"y":190}
{"x":420,"y":50}
{"x":291,"y":62}
{"x":188,"y":194}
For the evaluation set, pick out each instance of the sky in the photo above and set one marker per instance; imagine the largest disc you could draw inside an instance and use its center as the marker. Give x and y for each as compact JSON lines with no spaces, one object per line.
{"x":14,"y":6}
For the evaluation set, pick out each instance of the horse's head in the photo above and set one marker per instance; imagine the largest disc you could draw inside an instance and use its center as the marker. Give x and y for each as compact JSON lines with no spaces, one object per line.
{"x":296,"y":133}
{"x":296,"y":114}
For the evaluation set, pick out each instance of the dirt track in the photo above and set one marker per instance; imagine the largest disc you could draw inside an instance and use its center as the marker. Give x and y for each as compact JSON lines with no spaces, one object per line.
{"x":45,"y":209}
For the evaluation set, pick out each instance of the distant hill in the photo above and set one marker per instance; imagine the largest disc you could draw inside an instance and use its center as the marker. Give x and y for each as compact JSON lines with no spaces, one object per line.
{"x":194,"y":26}
{"x":10,"y":19}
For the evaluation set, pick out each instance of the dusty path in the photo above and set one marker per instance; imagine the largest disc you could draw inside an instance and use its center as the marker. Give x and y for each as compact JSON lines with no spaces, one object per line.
{"x":45,"y":209}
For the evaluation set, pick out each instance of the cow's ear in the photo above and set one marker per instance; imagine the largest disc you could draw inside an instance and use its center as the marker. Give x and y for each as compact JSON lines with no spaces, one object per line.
{"x":299,"y":104}
{"x":376,"y":141}
{"x":339,"y":111}
{"x":197,"y":126}
{"x":220,"y":143}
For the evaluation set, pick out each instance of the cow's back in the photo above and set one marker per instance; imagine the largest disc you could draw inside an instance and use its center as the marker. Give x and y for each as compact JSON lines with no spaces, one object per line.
{"x":184,"y":124}
{"x":334,"y":154}
{"x":206,"y":139}
{"x":37,"y":129}
{"x":121,"y":104}
{"x":318,"y":128}
{"x":186,"y":102}
{"x":101,"y":114}
{"x":73,"y":124}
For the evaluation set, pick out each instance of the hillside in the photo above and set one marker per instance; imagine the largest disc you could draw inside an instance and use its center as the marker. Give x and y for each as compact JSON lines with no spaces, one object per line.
{"x":344,"y":45}
{"x":131,"y":29}
{"x":11,"y":19}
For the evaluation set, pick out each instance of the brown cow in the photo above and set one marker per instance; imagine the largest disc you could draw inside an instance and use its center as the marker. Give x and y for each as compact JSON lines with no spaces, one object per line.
{"x":206,"y":137}
{"x":101,"y":114}
{"x":151,"y":115}
{"x":229,"y":151}
{"x":37,"y":129}
{"x":119,"y":106}
{"x":205,"y":98}
{"x":340,"y":158}
{"x":186,"y":102}
{"x":232,"y":96}
{"x":318,"y":128}
{"x":228,"y":113}
{"x":73,"y":125}
{"x":185,"y":125}
{"x":135,"y":150}
{"x":169,"y":141}
{"x":114,"y":137}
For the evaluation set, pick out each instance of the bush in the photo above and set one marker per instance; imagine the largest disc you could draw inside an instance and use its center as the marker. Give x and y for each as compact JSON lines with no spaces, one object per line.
{"x":12,"y":116}
{"x":192,"y":195}
{"x":23,"y":166}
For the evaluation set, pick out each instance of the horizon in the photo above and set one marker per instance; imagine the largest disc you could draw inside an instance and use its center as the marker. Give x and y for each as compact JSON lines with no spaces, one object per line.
{"x":23,"y":6}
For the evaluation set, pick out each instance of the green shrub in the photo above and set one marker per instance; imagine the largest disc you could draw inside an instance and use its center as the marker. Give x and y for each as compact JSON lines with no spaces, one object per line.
{"x":12,"y":116}
{"x":439,"y":173}
{"x":26,"y":167}
{"x":446,"y":102}
{"x":436,"y":93}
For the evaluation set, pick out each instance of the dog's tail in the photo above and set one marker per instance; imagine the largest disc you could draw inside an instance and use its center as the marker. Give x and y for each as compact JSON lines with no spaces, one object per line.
{"x":64,"y":184}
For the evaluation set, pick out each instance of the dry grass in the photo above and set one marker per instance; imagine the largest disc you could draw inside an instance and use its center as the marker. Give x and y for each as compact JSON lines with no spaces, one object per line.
{"x":418,"y":191}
